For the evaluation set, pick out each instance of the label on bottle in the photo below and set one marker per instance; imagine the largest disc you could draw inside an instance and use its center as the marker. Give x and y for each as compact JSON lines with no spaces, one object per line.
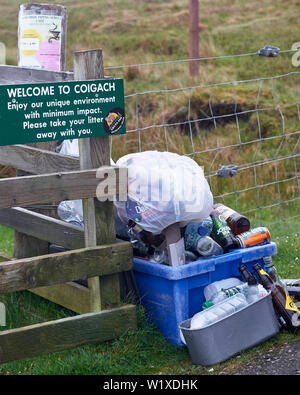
{"x":230,"y":291}
{"x":261,"y":271}
{"x":225,"y":211}
{"x":220,"y":228}
{"x":290,"y":304}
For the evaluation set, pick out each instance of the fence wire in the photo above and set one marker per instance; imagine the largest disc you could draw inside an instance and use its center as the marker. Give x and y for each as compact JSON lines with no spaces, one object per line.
{"x":253,"y":124}
{"x":194,"y":59}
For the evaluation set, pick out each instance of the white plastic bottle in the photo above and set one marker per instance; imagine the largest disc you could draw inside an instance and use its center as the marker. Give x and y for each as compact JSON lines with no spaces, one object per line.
{"x":238,"y":301}
{"x":254,"y":292}
{"x":203,"y":319}
{"x":212,"y":289}
{"x":218,"y":312}
{"x":228,"y":308}
{"x":227,"y":293}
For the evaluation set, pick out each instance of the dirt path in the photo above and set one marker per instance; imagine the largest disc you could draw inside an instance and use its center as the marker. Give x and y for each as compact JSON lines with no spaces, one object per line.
{"x":282,"y":361}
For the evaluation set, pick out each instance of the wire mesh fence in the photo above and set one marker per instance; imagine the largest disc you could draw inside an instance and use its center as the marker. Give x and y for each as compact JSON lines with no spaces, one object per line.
{"x":252,"y":124}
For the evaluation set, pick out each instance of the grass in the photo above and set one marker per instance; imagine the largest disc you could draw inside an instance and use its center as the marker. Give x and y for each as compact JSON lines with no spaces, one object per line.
{"x":132,"y":32}
{"x":135,"y":353}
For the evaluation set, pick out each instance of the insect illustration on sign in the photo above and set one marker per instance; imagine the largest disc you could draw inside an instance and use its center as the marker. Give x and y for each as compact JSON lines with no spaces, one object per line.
{"x":55,"y":33}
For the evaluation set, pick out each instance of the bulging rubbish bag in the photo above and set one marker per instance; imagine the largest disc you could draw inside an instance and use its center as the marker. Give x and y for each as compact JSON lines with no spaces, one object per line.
{"x":163,"y":188}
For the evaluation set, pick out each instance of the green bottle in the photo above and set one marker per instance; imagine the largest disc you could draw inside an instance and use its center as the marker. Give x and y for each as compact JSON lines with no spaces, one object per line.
{"x":221,"y":232}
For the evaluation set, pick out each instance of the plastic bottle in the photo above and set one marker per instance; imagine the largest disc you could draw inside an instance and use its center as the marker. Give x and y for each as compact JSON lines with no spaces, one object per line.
{"x":227,"y":293}
{"x":271,"y":270}
{"x":71,"y":211}
{"x":238,"y":223}
{"x":160,"y":257}
{"x":228,"y":308}
{"x":206,"y":305}
{"x":282,"y":301}
{"x":215,"y":287}
{"x":252,"y":290}
{"x":194,"y":230}
{"x":221,"y":232}
{"x":147,"y":237}
{"x":202,"y":320}
{"x":190,"y":256}
{"x":217,"y":312}
{"x":206,"y":246}
{"x":141,"y":249}
{"x":238,"y":301}
{"x":220,"y":311}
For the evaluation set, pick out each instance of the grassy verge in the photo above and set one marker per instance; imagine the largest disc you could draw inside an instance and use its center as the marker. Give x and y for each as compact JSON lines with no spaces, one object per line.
{"x":142,"y":352}
{"x":132,"y":32}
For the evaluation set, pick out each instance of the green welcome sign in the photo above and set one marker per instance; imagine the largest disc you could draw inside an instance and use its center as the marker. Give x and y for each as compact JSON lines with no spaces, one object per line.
{"x":32,"y":113}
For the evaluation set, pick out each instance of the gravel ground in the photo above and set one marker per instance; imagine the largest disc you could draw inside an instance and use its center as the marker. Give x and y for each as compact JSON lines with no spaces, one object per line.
{"x":282,"y":361}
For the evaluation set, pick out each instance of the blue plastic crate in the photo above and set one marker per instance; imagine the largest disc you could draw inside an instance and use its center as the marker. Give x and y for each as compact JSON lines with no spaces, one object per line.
{"x":171,"y":295}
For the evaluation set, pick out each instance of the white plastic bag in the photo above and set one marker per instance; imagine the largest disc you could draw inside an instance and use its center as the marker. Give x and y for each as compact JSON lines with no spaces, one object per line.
{"x":69,"y":147}
{"x":163,"y":188}
{"x":71,"y":210}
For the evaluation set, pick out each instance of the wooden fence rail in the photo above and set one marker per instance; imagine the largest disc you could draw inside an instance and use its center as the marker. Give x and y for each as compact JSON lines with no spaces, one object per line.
{"x":37,"y":161}
{"x":43,"y":227}
{"x":27,"y":273}
{"x":42,"y":188}
{"x":34,"y":340}
{"x":23,"y":75}
{"x":93,"y":253}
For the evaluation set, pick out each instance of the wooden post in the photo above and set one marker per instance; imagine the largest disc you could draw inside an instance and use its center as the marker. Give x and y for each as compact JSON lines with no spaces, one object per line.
{"x":27,"y":246}
{"x":194,"y":36}
{"x":98,"y":216}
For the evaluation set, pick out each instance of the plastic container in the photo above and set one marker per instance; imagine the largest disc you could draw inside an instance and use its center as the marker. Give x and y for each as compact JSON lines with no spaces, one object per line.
{"x":220,"y":310}
{"x":211,"y":290}
{"x":171,"y":295}
{"x":239,"y":331}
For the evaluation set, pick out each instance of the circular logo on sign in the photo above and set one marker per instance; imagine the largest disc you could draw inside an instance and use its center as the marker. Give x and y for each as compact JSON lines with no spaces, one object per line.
{"x":114,"y":120}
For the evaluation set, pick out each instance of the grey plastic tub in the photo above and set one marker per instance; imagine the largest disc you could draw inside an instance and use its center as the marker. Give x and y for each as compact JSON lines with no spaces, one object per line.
{"x":243,"y":329}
